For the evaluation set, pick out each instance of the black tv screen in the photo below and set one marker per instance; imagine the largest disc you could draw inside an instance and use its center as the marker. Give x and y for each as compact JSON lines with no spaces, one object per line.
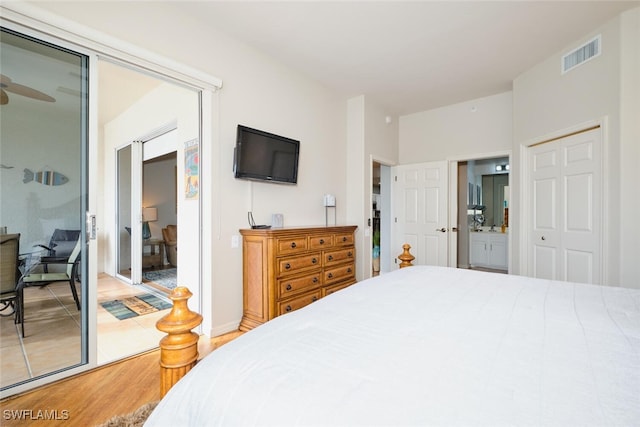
{"x":264,"y":156}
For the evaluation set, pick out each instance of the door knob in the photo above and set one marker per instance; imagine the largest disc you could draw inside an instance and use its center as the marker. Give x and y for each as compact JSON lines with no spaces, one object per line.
{"x":542,"y":238}
{"x":442,"y":230}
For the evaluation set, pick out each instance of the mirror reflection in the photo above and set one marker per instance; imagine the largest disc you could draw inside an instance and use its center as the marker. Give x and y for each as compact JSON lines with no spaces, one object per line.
{"x":493,"y":198}
{"x":488,"y":181}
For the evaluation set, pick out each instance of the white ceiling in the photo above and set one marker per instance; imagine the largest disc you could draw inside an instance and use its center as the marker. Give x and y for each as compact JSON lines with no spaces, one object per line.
{"x":404,"y":56}
{"x":410,"y":56}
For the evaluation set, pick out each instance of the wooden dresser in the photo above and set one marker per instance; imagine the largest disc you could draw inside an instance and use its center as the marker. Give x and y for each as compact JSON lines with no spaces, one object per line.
{"x":285,"y":269}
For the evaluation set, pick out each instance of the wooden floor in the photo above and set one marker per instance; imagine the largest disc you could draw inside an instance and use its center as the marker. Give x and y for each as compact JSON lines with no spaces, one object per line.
{"x":91,"y":398}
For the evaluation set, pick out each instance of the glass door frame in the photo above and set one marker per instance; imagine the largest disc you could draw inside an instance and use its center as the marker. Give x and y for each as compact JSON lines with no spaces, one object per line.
{"x":88,"y":319}
{"x":135,"y":217}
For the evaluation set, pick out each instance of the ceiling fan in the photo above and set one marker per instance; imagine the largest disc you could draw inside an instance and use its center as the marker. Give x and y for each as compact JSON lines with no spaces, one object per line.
{"x":7,"y":85}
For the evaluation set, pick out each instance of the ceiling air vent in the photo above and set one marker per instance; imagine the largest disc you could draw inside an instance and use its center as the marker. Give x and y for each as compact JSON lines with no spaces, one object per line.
{"x":584,"y":53}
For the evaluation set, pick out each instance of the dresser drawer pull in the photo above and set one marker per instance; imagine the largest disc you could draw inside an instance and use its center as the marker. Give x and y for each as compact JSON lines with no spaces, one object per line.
{"x":293,"y":245}
{"x":287,"y":266}
{"x":344,"y":239}
{"x":314,"y":260}
{"x":349,"y":270}
{"x":289,"y":287}
{"x":314,"y":299}
{"x":322,"y":241}
{"x":349,"y":254}
{"x":287,"y":308}
{"x":315,"y":280}
{"x":330,"y":258}
{"x":330,"y":275}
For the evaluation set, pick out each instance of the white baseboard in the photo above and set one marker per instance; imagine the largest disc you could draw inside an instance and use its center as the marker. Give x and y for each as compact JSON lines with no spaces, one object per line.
{"x":223,"y":329}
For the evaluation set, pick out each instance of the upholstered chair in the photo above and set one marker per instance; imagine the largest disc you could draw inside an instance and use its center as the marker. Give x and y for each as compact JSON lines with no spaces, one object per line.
{"x":170,"y":237}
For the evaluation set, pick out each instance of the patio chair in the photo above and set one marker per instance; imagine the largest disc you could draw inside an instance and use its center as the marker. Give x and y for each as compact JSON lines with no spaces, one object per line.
{"x":60,"y":247}
{"x":44,"y":279}
{"x":10,"y":293}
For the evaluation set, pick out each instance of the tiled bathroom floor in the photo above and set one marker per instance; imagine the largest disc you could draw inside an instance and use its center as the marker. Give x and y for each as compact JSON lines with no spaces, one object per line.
{"x":52,"y":331}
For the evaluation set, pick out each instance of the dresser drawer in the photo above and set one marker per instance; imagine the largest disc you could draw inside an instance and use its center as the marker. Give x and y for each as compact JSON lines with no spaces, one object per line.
{"x":321,"y":242}
{"x":291,"y":245}
{"x":338,"y":256}
{"x":344,"y":239}
{"x":298,"y":302}
{"x":294,"y":285}
{"x":340,"y":273}
{"x":290,"y":265}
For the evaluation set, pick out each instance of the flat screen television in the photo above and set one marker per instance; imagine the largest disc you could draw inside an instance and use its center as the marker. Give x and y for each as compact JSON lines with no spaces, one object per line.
{"x":264,"y":156}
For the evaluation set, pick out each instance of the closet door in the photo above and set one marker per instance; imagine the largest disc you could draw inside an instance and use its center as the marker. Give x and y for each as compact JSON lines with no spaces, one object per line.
{"x":566,"y":189}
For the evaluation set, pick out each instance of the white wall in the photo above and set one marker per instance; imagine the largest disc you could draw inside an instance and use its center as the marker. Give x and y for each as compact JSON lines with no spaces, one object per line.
{"x":546,"y":102}
{"x":369,"y":136}
{"x":630,"y":148}
{"x":478,"y":126}
{"x":162,"y":106}
{"x":262,"y":94}
{"x":33,"y":209}
{"x":356,"y":158}
{"x":257,"y":92}
{"x":381,"y":144}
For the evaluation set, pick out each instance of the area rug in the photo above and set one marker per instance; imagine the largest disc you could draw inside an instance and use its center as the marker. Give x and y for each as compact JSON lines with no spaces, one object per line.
{"x":165,"y":278}
{"x":134,"y":419}
{"x":138,"y":305}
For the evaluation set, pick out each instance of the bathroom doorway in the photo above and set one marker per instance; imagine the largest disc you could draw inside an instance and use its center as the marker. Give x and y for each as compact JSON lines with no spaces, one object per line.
{"x":479,"y":200}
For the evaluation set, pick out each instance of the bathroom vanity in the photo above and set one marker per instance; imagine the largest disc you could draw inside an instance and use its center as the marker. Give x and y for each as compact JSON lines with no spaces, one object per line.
{"x":488,"y":249}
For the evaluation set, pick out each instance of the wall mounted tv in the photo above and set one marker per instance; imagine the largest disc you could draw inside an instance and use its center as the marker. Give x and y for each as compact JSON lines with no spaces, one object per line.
{"x":264,"y":156}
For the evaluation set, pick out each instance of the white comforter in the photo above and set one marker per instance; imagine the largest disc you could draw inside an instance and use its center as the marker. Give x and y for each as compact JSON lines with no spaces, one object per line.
{"x":428,"y":346}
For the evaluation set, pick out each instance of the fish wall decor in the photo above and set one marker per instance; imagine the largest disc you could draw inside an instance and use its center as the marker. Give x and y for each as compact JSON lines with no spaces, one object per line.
{"x":45,"y":177}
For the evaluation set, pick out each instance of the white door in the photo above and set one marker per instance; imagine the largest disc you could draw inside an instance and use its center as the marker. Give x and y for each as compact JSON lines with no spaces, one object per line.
{"x":420,"y":211}
{"x":566,"y":189}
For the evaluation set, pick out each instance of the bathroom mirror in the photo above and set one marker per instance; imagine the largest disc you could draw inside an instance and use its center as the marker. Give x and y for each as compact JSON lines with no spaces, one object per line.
{"x":493,"y":198}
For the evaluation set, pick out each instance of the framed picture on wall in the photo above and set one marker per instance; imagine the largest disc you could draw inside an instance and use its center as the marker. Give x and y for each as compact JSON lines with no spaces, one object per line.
{"x":191,"y":169}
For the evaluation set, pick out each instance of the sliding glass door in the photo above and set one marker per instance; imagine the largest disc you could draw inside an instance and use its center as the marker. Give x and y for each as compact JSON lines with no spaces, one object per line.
{"x":129,"y":212}
{"x":44,"y":192}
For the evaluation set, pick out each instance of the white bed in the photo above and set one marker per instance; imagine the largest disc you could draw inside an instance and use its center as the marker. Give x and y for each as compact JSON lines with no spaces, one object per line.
{"x":428,"y":346}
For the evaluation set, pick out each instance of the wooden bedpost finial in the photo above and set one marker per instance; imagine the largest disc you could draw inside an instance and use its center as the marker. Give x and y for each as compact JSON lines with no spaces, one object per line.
{"x":406,"y":257}
{"x":179,"y":349}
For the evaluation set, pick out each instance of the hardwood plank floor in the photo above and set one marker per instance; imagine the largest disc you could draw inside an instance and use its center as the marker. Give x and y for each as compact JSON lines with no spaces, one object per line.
{"x":94,"y":397}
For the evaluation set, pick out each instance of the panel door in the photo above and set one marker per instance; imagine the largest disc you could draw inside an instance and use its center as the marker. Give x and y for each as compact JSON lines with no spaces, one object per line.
{"x":566,"y":177}
{"x":420,"y":211}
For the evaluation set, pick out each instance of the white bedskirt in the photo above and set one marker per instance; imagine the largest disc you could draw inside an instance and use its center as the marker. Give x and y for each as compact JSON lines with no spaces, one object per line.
{"x":428,"y":346}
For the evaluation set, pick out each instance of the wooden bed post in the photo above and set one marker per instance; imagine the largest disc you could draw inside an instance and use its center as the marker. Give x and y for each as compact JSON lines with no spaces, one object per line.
{"x":406,"y":257}
{"x":179,"y":349}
